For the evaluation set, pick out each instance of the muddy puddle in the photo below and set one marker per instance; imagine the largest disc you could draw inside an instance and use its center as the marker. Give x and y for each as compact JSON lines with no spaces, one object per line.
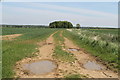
{"x":41,"y":67}
{"x":91,"y":65}
{"x":73,"y":49}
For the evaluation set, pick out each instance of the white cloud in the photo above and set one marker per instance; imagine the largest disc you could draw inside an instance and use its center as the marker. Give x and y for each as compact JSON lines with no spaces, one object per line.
{"x":21,"y":15}
{"x":70,"y":9}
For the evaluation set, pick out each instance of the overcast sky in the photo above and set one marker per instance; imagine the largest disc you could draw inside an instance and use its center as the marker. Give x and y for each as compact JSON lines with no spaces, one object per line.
{"x":84,"y":13}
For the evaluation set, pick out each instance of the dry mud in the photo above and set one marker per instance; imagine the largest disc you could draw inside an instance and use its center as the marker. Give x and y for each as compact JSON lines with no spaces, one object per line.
{"x":45,"y":52}
{"x":9,"y":37}
{"x":82,"y":58}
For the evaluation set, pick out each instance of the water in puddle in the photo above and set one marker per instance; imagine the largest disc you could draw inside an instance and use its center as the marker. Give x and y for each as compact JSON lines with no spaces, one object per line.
{"x":41,"y":67}
{"x":72,"y":49}
{"x":92,"y":66}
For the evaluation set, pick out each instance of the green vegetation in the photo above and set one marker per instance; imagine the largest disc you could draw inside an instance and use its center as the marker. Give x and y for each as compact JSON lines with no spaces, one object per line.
{"x":22,"y":47}
{"x":101,"y":45}
{"x":59,"y":53}
{"x":77,"y":26}
{"x":63,"y":55}
{"x":58,"y":39}
{"x":106,"y":31}
{"x":61,"y":24}
{"x":74,"y":76}
{"x":12,"y":30}
{"x":0,"y":53}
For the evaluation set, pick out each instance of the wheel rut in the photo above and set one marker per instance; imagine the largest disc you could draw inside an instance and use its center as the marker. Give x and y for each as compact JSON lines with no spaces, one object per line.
{"x":45,"y":52}
{"x":82,"y":58}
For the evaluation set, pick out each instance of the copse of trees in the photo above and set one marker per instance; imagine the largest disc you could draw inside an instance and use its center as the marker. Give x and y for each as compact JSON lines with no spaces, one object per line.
{"x":61,"y":24}
{"x":77,"y":26}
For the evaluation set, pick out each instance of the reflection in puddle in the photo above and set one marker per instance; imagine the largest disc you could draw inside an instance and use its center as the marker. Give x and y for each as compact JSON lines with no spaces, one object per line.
{"x":92,"y":66}
{"x":73,"y":49}
{"x":41,"y":67}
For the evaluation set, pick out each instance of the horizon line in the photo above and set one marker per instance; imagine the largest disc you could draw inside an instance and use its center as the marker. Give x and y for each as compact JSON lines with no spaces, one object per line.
{"x":73,"y":25}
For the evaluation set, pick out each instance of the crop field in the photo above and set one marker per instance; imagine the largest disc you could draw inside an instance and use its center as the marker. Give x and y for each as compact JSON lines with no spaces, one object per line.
{"x":105,"y":31}
{"x":58,"y":45}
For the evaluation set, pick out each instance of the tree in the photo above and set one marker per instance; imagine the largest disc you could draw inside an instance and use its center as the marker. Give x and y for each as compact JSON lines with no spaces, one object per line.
{"x":61,"y":24}
{"x":77,"y":26}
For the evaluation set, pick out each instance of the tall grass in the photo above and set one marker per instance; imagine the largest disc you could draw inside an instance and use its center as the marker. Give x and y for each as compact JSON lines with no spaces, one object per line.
{"x":100,"y":45}
{"x":20,"y":48}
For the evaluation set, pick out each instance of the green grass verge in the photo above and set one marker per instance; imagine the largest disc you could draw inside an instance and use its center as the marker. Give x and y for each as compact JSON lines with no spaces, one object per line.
{"x":13,"y":52}
{"x":74,"y":76}
{"x":103,"y":53}
{"x":20,"y":48}
{"x":59,"y":53}
{"x":63,"y":55}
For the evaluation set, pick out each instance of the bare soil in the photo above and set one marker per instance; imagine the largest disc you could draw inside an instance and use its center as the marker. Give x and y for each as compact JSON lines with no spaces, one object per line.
{"x":9,"y":37}
{"x":82,"y":58}
{"x":45,"y":52}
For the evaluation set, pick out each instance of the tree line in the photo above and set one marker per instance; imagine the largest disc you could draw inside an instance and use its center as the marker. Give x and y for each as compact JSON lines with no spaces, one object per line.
{"x":26,"y":26}
{"x":61,"y":24}
{"x":55,"y":24}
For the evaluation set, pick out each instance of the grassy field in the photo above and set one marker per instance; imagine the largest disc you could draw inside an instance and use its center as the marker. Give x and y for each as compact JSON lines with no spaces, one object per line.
{"x":101,"y":44}
{"x":20,"y":48}
{"x":106,"y":31}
